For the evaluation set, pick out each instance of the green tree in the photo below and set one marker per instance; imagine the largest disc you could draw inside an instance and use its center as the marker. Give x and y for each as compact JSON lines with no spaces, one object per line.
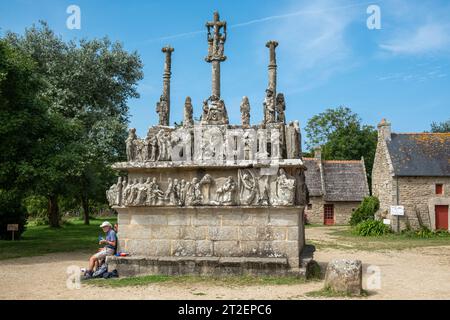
{"x":441,"y":127}
{"x":22,"y":124}
{"x":342,"y":136}
{"x":89,"y":83}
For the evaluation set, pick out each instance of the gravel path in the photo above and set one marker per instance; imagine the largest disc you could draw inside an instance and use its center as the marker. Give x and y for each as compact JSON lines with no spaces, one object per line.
{"x":421,"y":273}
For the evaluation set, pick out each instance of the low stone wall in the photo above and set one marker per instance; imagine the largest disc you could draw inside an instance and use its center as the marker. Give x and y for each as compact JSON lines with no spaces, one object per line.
{"x":223,"y":232}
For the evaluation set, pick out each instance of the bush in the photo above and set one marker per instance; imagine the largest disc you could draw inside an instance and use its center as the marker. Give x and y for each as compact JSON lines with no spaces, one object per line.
{"x":366,"y":211}
{"x":371,"y":228}
{"x":424,"y":232}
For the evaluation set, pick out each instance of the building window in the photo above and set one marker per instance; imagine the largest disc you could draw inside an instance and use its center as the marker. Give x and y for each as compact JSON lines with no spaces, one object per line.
{"x":309,"y":206}
{"x":439,"y":188}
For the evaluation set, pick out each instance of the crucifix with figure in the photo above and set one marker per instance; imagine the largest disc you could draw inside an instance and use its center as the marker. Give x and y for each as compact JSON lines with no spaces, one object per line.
{"x":214,"y":111}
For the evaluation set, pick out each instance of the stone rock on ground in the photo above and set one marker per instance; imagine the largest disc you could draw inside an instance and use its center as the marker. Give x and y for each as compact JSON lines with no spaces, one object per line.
{"x":344,"y":276}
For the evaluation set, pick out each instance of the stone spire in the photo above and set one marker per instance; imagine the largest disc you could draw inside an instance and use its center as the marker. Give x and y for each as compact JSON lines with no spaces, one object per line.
{"x":216,"y":43}
{"x":163,"y":106}
{"x":272,"y":66}
{"x":271,"y":91}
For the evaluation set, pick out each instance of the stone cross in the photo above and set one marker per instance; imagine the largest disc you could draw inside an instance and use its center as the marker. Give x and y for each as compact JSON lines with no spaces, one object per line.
{"x":163,"y":107}
{"x":216,"y":42}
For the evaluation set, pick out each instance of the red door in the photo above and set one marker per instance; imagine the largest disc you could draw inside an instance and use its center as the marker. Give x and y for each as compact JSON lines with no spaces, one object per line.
{"x":328,"y":214}
{"x":441,"y":217}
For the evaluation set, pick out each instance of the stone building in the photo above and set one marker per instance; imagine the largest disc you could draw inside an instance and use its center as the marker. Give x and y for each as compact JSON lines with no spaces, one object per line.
{"x":412,"y":170}
{"x":210,"y":197}
{"x":336,"y":188}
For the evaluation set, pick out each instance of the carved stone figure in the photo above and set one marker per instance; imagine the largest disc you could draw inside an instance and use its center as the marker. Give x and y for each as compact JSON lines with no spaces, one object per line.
{"x":194,"y":195}
{"x":154,"y":194}
{"x":214,"y":111}
{"x":162,"y":108}
{"x":226,"y":193}
{"x":130,"y":145}
{"x":182,"y":192}
{"x":245,"y":112}
{"x":263,"y":199}
{"x":248,"y":146}
{"x":153,"y":148}
{"x":281,"y":108}
{"x":164,"y":145}
{"x":284,"y":194}
{"x":142,"y":192}
{"x":269,"y":107}
{"x":111,"y":195}
{"x":248,"y":188}
{"x":188,"y":113}
{"x":171,"y":195}
{"x":205,"y":184}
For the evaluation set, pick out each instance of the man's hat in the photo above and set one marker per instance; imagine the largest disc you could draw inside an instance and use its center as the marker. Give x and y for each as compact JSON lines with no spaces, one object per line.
{"x":106,"y":224}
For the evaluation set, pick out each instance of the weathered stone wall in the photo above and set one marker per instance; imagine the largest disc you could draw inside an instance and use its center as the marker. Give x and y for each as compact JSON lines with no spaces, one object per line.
{"x":213,"y":232}
{"x":342,"y":210}
{"x":382,"y":180}
{"x":418,"y":196}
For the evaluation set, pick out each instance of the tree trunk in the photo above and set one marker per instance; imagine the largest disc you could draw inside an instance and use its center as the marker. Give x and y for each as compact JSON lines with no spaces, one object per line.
{"x":53,"y":211}
{"x":85,"y":205}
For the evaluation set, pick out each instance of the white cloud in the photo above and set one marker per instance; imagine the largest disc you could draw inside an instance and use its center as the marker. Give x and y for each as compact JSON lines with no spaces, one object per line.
{"x":428,"y":38}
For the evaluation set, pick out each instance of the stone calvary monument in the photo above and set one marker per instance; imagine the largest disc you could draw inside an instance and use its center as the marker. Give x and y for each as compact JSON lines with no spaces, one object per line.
{"x":209,"y":197}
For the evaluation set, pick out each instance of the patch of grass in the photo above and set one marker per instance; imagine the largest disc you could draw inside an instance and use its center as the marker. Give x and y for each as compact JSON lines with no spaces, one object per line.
{"x":328,"y":293}
{"x":198,"y":293}
{"x":345,"y":239}
{"x":39,"y":240}
{"x":218,"y":281}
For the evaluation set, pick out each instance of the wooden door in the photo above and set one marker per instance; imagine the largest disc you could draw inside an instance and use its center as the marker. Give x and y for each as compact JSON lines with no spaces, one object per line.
{"x":328,"y":214}
{"x":441,"y":217}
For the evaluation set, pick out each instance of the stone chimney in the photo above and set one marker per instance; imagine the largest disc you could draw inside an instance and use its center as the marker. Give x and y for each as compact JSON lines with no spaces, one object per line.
{"x":384,"y":130}
{"x":318,"y":153}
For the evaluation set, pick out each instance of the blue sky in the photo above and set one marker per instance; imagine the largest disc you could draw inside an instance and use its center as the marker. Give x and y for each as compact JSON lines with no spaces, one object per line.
{"x":326,"y":55}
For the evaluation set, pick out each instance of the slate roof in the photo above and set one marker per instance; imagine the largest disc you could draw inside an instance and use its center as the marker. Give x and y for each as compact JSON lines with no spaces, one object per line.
{"x":420,"y":154}
{"x":343,"y":180}
{"x":312,"y":177}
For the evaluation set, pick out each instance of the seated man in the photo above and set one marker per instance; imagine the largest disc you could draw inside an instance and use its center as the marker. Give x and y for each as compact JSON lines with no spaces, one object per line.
{"x":110,"y":243}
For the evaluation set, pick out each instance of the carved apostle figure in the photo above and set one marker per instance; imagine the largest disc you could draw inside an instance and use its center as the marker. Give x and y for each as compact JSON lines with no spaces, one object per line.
{"x":171,"y":195}
{"x":162,"y":145}
{"x":188,"y":113}
{"x":130,"y":145}
{"x":245,"y":112}
{"x":249,"y":188}
{"x":194,"y":195}
{"x":281,"y":108}
{"x":153,"y":148}
{"x":269,"y":107}
{"x":225,"y":194}
{"x":162,"y":109}
{"x":182,"y":192}
{"x":154,"y":193}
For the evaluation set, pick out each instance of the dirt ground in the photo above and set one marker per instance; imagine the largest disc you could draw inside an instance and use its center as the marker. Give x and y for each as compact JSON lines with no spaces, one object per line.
{"x":420,"y":273}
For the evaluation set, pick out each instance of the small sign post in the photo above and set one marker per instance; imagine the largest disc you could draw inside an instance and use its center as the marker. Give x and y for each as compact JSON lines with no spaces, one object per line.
{"x":12,"y":228}
{"x":398,"y":211}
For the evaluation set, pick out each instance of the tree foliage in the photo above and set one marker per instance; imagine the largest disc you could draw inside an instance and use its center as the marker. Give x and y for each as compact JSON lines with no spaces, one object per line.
{"x":22,"y":124}
{"x":441,"y":127}
{"x":87,"y":86}
{"x":342,"y":136}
